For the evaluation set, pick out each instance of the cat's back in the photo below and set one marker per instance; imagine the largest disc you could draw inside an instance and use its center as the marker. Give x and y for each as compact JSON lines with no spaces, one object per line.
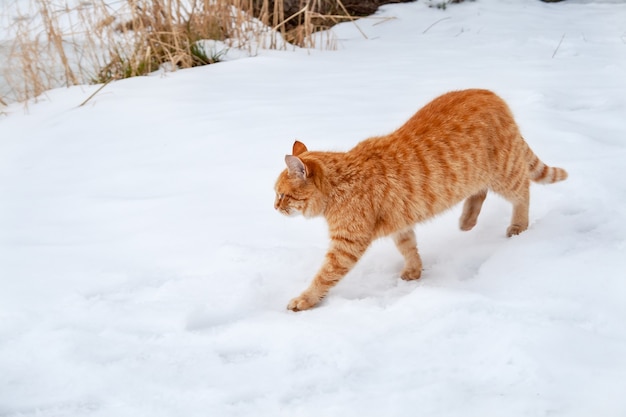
{"x":469,"y":122}
{"x":467,"y":112}
{"x":461,"y":119}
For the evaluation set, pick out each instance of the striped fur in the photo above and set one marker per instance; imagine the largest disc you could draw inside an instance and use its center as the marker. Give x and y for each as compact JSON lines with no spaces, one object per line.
{"x":540,"y":172}
{"x":455,"y":148}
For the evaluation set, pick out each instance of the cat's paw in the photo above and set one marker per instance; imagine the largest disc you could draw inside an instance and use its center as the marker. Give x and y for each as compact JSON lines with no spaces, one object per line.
{"x":467,"y":224}
{"x":514,"y":229}
{"x":409,"y":274}
{"x":302,"y":302}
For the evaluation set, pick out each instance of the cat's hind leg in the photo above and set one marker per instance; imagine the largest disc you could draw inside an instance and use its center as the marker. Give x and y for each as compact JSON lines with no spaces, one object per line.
{"x":519,"y":219}
{"x":407,"y":245}
{"x":471,"y":210}
{"x":519,"y":195}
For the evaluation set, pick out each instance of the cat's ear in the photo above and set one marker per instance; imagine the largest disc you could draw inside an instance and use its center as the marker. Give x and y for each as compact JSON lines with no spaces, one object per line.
{"x":298,"y":148}
{"x":296,"y":166}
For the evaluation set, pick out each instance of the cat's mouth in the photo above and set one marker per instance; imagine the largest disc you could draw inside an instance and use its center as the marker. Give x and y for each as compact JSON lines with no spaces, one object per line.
{"x":289,"y":212}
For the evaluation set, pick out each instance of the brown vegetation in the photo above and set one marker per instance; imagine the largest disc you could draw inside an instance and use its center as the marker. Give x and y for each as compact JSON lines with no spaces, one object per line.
{"x":58,"y":45}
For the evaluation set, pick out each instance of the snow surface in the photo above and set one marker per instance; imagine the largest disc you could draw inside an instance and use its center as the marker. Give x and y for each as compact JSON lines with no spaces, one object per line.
{"x":144,"y":272}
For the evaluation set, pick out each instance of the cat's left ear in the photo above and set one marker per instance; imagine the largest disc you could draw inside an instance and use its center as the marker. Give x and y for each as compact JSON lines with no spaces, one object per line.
{"x":298,"y":148}
{"x":296,"y":166}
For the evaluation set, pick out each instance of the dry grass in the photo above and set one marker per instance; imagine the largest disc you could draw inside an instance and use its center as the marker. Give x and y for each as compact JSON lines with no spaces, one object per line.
{"x":40,"y":55}
{"x":94,"y":41}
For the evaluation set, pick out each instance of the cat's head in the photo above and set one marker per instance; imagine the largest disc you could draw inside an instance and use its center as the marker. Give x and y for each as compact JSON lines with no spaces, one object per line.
{"x":297,"y":191}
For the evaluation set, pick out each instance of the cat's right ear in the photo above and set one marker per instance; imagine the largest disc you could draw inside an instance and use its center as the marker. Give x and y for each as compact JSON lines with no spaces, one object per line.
{"x":295,"y":166}
{"x":298,"y":148}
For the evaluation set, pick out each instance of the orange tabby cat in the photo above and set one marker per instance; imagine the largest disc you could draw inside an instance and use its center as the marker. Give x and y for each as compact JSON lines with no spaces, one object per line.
{"x":456,"y":147}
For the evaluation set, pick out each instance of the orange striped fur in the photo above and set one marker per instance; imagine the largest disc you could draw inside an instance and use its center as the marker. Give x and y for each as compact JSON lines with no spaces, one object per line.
{"x":455,"y":148}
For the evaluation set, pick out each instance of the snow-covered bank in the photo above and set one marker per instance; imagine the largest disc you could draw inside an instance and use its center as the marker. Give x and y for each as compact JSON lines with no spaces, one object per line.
{"x":143,"y":270}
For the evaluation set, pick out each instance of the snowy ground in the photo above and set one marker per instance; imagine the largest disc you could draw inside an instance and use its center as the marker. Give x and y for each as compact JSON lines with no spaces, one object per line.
{"x":144,"y":272}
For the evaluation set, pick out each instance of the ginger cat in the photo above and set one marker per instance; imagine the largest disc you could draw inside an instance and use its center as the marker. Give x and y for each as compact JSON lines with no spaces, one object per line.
{"x":456,"y":147}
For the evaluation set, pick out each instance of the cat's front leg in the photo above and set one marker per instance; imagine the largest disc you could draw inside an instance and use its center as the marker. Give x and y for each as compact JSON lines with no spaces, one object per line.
{"x":407,"y":245}
{"x":343,"y":254}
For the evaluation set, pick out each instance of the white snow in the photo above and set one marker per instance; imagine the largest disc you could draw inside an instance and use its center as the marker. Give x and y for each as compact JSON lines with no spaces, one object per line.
{"x":144,"y":271}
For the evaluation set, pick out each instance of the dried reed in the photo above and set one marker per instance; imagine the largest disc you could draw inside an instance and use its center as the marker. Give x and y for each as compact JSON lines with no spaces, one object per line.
{"x":55,"y":44}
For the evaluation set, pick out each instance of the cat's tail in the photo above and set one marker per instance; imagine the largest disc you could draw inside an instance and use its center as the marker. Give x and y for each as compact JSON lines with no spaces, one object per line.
{"x":542,"y":173}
